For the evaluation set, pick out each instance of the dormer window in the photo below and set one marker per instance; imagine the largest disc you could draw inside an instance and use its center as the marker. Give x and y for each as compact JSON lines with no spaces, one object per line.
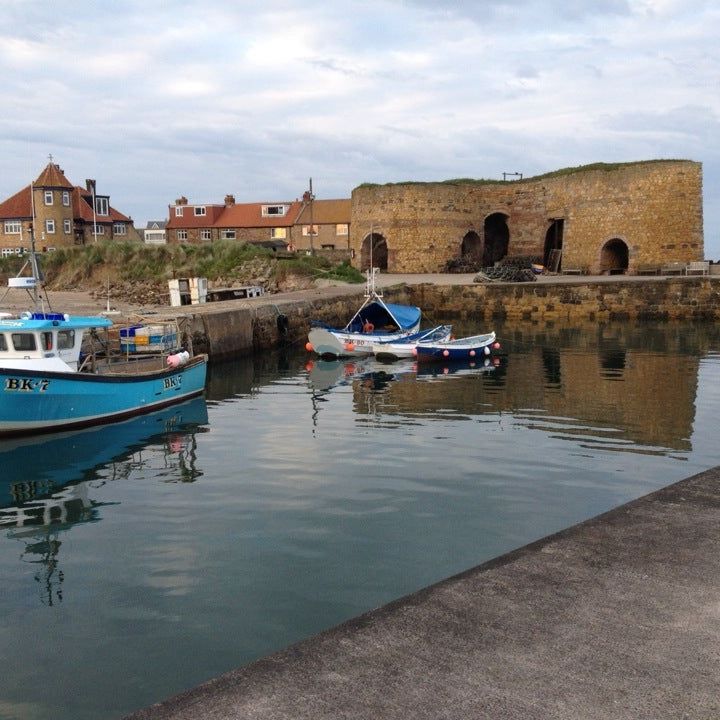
{"x":102,"y":206}
{"x":274,"y":210}
{"x":199,"y":210}
{"x":179,"y":211}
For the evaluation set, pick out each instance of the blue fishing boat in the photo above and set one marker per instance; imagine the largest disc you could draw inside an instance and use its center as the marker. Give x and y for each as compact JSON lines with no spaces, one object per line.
{"x":48,"y":383}
{"x":467,"y":348}
{"x":374,"y":322}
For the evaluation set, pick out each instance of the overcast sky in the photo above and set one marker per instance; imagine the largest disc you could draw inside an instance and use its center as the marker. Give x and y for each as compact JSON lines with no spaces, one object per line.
{"x":160,"y":99}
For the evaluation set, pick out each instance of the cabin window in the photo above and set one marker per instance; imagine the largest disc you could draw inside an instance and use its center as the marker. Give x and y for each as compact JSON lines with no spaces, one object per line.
{"x":66,"y":339}
{"x":23,"y":342}
{"x":3,"y":343}
{"x":47,"y":343}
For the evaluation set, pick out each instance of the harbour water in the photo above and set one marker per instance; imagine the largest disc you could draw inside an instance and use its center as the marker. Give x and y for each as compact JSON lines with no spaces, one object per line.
{"x":142,"y":558}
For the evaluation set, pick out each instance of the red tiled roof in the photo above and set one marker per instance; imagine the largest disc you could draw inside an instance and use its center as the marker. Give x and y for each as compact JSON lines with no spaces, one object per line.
{"x":82,"y":201}
{"x":249,"y":215}
{"x":190,"y":220}
{"x":326,"y":212}
{"x":17,"y":207}
{"x":243,"y":215}
{"x":52,"y":176}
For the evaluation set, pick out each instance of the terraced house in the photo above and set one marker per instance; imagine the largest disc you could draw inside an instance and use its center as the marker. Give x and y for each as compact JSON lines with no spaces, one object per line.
{"x":64,"y":214}
{"x":288,"y":225}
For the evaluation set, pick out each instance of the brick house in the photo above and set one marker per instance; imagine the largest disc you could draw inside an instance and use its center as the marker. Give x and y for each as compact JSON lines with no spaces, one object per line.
{"x":65,"y":215}
{"x":261,"y":223}
{"x":279,"y":224}
{"x":330,"y":221}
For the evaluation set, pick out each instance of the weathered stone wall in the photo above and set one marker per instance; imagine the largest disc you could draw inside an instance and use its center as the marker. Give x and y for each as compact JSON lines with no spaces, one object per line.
{"x":241,"y":327}
{"x":654,"y":208}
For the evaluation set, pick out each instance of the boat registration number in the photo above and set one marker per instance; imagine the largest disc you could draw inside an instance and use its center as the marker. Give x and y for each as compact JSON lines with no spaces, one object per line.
{"x":172,"y":382}
{"x":26,"y":384}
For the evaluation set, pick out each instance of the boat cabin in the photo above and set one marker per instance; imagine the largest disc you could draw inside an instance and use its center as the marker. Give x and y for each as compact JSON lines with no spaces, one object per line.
{"x":51,"y":339}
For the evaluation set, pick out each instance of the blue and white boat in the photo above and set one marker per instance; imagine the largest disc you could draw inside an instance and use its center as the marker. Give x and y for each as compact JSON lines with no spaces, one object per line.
{"x":47,"y":384}
{"x":467,"y":348}
{"x":374,"y":322}
{"x":407,"y":347}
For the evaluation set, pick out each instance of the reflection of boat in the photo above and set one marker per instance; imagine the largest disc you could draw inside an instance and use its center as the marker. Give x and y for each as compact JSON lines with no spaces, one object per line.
{"x":30,"y":485}
{"x":457,"y":367}
{"x":374,"y":322}
{"x":467,"y":348}
{"x":405,"y":347}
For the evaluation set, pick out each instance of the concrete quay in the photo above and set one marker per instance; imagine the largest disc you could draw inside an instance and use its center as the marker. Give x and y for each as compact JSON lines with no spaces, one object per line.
{"x":615,"y":618}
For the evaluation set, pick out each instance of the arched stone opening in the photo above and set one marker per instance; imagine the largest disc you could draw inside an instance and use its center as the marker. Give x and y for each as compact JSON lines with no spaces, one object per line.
{"x":497,"y":238}
{"x":552,"y":253}
{"x":614,"y":257}
{"x":374,"y":252}
{"x":471,"y":247}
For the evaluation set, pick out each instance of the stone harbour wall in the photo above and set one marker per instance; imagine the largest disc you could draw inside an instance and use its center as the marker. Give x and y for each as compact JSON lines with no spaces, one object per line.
{"x":240,"y":328}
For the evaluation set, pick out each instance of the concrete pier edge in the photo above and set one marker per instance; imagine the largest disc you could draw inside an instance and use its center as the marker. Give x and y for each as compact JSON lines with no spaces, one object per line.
{"x":615,"y":617}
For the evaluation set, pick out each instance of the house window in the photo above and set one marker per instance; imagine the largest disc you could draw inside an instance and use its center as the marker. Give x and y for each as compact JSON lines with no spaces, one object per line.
{"x":102,"y":206}
{"x":48,"y":197}
{"x":227,"y":234}
{"x":182,"y":234}
{"x":200,"y":210}
{"x":66,"y":198}
{"x":7,"y":252}
{"x":328,"y":247}
{"x":12,"y":227}
{"x":274,"y":210}
{"x":341,"y":229}
{"x":67,"y":226}
{"x":50,"y":226}
{"x":278,"y":233}
{"x":306,"y":230}
{"x":99,"y":230}
{"x":120,"y":229}
{"x":179,"y":211}
{"x":205,"y":235}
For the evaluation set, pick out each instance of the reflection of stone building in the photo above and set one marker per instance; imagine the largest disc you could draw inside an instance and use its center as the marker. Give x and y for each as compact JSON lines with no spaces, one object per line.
{"x":606,"y":392}
{"x":597,"y":218}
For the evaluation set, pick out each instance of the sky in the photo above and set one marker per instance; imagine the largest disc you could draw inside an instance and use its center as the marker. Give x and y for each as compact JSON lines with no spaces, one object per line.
{"x":156,"y":100}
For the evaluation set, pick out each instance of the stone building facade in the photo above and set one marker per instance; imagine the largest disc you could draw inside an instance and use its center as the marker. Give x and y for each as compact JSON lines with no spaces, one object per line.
{"x":625,"y":218}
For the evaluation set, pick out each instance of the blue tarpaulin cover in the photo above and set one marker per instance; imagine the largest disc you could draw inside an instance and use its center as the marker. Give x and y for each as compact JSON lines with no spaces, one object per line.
{"x":406,"y":316}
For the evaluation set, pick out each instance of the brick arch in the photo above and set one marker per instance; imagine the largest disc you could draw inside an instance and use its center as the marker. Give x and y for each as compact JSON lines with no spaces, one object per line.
{"x":614,"y":256}
{"x":496,"y":237}
{"x":471,"y":246}
{"x":379,"y":256}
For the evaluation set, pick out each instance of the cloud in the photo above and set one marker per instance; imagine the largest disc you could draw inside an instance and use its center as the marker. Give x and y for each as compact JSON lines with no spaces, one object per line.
{"x":157,"y":100}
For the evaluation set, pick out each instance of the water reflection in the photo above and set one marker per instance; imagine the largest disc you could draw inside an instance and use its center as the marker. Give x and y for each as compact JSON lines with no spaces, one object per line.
{"x":48,"y":483}
{"x":627,"y":388}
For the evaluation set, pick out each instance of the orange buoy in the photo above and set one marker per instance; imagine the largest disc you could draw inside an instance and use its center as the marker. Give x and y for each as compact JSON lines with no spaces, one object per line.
{"x":349,"y":346}
{"x":368,"y":327}
{"x":309,"y":347}
{"x":446,"y":353}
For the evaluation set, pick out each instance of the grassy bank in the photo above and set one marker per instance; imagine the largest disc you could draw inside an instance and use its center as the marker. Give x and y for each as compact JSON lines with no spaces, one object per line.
{"x":222,"y":263}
